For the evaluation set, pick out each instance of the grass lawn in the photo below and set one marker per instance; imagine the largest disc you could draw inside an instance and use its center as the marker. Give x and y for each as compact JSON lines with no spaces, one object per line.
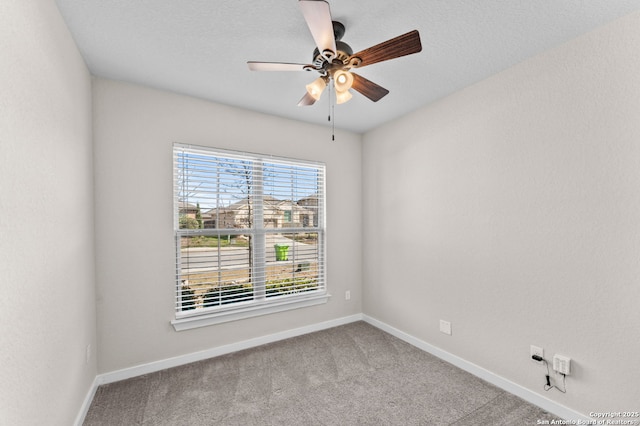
{"x":213,"y":241}
{"x":279,"y":276}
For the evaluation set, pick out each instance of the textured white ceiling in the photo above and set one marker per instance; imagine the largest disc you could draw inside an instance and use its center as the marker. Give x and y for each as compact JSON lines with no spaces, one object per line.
{"x":200,"y":47}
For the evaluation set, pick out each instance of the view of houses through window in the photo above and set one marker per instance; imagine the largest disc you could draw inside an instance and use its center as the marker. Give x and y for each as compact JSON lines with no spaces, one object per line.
{"x":248,"y":230}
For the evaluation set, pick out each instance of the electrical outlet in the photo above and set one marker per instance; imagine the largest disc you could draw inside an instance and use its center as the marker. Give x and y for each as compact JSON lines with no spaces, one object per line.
{"x":347,"y":295}
{"x":562,"y":364}
{"x":87,"y":356}
{"x":445,"y":327}
{"x":535,"y":350}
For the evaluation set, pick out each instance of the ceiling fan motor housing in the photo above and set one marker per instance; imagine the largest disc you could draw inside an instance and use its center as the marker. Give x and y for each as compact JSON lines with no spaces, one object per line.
{"x":344,"y":51}
{"x":343,"y":54}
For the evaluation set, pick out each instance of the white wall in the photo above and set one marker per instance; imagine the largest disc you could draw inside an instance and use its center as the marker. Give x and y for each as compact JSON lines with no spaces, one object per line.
{"x":47,"y":308}
{"x":512,"y":209}
{"x":134,"y":128}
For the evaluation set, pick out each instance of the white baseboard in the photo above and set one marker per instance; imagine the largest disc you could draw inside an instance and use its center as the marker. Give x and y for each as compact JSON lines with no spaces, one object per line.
{"x":84,"y":409}
{"x":139,"y":370}
{"x":154,"y":366}
{"x":528,"y":395}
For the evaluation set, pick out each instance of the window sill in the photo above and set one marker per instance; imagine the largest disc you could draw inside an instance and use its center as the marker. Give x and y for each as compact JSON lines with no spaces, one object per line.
{"x":203,"y":320}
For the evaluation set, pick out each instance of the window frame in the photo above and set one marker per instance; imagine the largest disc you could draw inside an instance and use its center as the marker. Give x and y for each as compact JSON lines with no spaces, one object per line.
{"x":260,"y":303}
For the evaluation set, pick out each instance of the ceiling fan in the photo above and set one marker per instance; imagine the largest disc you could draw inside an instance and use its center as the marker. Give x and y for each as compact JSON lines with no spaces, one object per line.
{"x":334,"y":59}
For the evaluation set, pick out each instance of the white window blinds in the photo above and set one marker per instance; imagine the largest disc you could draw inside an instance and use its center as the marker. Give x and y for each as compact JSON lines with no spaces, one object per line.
{"x":249,"y":230}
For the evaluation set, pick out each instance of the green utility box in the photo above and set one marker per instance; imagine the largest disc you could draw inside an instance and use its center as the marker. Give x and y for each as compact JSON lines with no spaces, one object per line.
{"x":282,"y":252}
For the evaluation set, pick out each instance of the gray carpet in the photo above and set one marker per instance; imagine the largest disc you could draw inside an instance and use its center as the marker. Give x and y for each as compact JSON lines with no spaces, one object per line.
{"x":354,"y":374}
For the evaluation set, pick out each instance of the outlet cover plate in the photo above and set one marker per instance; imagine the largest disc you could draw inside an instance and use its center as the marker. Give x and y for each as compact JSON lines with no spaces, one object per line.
{"x":535,"y":350}
{"x":445,"y":327}
{"x":562,"y":364}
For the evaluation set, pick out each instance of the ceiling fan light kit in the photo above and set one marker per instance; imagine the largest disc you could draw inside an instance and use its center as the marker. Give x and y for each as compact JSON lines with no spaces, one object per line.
{"x":333,"y":59}
{"x":316,"y":87}
{"x":343,"y":80}
{"x":342,"y":97}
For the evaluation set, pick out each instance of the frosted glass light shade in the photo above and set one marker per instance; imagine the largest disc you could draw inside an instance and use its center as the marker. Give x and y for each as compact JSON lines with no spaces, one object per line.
{"x":343,"y":80}
{"x":316,"y":87}
{"x":342,"y":97}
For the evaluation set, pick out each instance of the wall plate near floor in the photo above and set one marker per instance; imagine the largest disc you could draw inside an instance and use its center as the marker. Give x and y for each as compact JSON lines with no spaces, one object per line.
{"x":445,"y":327}
{"x":562,"y":364}
{"x":536,"y":351}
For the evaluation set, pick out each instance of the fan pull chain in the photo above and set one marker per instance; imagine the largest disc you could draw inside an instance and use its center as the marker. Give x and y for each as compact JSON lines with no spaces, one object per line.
{"x":332,"y":112}
{"x":329,"y":96}
{"x":333,"y":123}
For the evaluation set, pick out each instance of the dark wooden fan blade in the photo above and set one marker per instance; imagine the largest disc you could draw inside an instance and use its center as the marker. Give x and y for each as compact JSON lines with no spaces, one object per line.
{"x":318,"y":17}
{"x":403,"y":45}
{"x":278,"y":66}
{"x":368,"y":88}
{"x":307,"y":100}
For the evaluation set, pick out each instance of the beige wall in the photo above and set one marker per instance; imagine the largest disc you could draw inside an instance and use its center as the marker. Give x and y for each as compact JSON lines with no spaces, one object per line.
{"x":512,"y":209}
{"x":47,"y":307}
{"x":134,"y":128}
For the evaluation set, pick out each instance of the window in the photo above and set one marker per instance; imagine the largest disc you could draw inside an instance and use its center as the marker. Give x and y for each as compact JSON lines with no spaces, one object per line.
{"x":249,"y":235}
